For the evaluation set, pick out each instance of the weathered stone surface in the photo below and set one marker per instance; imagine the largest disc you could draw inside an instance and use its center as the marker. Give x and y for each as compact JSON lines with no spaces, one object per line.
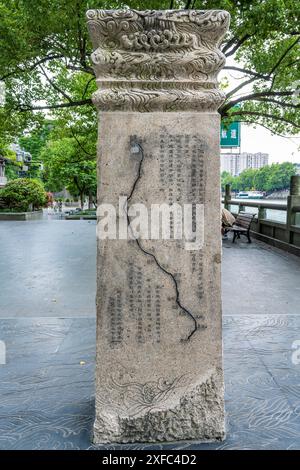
{"x":157,"y":60}
{"x":159,"y":342}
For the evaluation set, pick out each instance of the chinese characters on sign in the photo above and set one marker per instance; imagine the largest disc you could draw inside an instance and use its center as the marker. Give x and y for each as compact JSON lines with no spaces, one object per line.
{"x":231,"y":135}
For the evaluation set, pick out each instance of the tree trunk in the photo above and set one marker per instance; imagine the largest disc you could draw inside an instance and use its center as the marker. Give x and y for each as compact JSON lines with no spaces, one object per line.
{"x":81,"y":200}
{"x":91,"y":202}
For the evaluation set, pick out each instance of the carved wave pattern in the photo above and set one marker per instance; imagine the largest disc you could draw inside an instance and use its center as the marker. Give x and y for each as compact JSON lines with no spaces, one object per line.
{"x":47,"y":397}
{"x":157,"y":100}
{"x":192,"y":65}
{"x":139,"y":398}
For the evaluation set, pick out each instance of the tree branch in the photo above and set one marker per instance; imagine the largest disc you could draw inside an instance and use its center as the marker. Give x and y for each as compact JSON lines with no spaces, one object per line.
{"x":280,"y":103}
{"x":265,"y":115}
{"x":81,"y":37}
{"x":79,"y":144}
{"x":229,"y":44}
{"x":292,"y":63}
{"x":188,"y":4}
{"x":268,"y":128}
{"x":256,"y":76}
{"x":247,"y":72}
{"x":283,"y":56}
{"x":65,"y":95}
{"x":55,"y":106}
{"x":33,"y":66}
{"x":87,"y":86}
{"x":252,"y":96}
{"x":239,"y":44}
{"x":86,"y":69}
{"x":239,"y":87}
{"x":273,"y":82}
{"x":80,"y":189}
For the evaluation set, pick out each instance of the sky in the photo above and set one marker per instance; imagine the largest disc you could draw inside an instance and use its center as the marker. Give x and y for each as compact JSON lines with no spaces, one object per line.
{"x":280,"y":149}
{"x":259,"y":139}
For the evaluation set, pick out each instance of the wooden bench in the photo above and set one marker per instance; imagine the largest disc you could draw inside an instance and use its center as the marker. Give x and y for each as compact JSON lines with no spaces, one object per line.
{"x":242,"y":226}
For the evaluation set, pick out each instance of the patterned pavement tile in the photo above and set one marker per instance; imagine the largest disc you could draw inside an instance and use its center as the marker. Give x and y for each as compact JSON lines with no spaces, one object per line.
{"x":47,"y":385}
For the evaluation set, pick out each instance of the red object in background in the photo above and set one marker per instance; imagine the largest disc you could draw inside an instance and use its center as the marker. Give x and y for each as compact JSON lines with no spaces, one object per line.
{"x":50,"y":199}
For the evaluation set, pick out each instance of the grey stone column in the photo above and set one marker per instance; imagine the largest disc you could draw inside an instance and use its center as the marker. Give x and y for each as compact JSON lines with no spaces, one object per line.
{"x":159,"y":336}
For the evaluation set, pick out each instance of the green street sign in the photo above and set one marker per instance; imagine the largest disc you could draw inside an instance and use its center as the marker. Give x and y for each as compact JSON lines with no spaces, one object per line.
{"x":231,"y":135}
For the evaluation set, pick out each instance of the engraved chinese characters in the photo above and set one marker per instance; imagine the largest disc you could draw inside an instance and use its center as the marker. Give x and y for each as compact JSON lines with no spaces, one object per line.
{"x":159,"y":344}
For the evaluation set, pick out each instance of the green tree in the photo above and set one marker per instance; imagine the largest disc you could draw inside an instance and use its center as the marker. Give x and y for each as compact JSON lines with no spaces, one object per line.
{"x":236,"y":184}
{"x":23,"y":194}
{"x":226,"y":178}
{"x":279,"y":176}
{"x":33,"y":142}
{"x":268,"y":178}
{"x":68,"y":166}
{"x":274,"y":177}
{"x":246,"y":179}
{"x":12,"y":166}
{"x":70,"y":152}
{"x":261,"y":178}
{"x":44,"y":45}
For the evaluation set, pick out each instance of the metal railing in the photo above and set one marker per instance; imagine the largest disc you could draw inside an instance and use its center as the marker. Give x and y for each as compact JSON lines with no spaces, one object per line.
{"x":284,"y":231}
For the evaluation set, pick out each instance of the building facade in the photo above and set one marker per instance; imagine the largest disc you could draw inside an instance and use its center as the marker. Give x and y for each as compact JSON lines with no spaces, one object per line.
{"x":22,"y":155}
{"x":235,"y":163}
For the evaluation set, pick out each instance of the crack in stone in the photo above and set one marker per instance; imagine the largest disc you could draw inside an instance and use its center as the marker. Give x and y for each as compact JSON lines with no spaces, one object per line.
{"x":171,"y":275}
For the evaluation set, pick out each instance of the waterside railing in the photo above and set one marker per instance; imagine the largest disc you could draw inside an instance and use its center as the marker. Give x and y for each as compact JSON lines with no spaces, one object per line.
{"x":276,"y":223}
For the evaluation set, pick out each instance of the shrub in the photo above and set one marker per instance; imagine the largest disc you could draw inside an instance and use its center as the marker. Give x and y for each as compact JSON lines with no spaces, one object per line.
{"x":23,"y":194}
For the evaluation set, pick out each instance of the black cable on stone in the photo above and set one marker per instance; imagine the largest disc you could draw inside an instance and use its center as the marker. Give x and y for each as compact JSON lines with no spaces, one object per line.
{"x":184,"y":309}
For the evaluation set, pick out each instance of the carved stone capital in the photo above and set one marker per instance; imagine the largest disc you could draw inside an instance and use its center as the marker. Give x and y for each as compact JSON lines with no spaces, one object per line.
{"x":157,"y":60}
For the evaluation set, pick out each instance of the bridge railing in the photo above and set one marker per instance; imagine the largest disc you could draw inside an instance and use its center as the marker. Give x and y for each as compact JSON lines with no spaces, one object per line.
{"x":276,"y":223}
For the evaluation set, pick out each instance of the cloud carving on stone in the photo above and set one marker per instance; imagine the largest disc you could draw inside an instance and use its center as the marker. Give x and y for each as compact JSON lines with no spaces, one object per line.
{"x":157,"y":60}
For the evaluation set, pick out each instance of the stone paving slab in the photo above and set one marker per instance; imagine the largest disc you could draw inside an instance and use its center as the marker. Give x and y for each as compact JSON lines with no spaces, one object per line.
{"x":48,"y":268}
{"x":47,"y":321}
{"x":47,"y":385}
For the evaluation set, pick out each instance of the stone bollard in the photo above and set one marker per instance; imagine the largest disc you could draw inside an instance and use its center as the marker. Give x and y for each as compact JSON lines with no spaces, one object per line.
{"x":227,"y":197}
{"x":159,"y":374}
{"x":293,"y":202}
{"x":295,"y":185}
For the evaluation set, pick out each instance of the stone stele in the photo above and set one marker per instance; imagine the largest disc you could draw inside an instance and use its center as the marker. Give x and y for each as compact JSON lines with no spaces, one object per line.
{"x":159,"y":370}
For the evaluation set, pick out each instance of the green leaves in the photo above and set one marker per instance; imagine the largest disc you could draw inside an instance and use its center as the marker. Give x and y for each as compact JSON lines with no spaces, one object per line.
{"x":22,"y":193}
{"x":270,"y":60}
{"x":45,"y":60}
{"x":68,"y":164}
{"x":268,"y":178}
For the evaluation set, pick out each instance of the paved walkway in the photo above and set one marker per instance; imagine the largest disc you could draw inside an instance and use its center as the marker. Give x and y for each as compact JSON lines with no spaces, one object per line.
{"x":48,"y":269}
{"x":46,"y":386}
